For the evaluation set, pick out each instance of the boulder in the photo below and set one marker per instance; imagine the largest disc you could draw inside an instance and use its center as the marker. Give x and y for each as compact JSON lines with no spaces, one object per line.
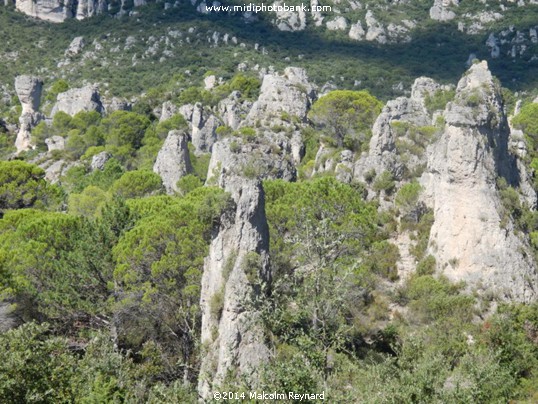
{"x":99,"y":160}
{"x":441,"y":10}
{"x":55,"y":143}
{"x":75,"y":47}
{"x":77,"y":100}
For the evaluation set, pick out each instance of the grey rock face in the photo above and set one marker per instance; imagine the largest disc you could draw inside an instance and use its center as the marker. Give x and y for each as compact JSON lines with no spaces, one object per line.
{"x":28,"y":90}
{"x":204,"y":129}
{"x":48,"y":10}
{"x":116,"y":104}
{"x":468,"y":238}
{"x":99,"y":160}
{"x":77,"y":100}
{"x":169,"y":110}
{"x":173,"y":161}
{"x":55,"y":143}
{"x":54,"y":170}
{"x":441,"y":11}
{"x":75,"y":47}
{"x":236,"y":274}
{"x":289,"y":20}
{"x":233,"y":110}
{"x":290,"y":93}
{"x":90,"y":8}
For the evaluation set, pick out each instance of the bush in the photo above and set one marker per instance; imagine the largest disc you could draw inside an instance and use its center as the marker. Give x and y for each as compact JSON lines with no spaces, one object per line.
{"x":385,"y":182}
{"x":23,"y":185}
{"x":137,"y":184}
{"x":438,"y":100}
{"x":346,"y":116}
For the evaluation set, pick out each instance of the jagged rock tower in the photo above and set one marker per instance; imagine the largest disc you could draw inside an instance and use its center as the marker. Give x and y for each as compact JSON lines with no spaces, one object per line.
{"x":236,"y":276}
{"x":470,"y":238}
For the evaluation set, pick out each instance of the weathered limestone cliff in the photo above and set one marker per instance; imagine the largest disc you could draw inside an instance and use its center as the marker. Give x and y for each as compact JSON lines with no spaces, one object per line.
{"x":470,"y":238}
{"x":58,"y":11}
{"x":236,"y":275}
{"x":29,"y":92}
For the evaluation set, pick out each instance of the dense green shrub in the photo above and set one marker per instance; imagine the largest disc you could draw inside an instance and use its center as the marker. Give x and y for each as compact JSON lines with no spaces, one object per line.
{"x":23,"y":185}
{"x":346,"y":117}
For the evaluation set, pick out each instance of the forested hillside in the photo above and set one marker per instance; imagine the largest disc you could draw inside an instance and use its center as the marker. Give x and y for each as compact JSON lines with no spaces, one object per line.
{"x":196,"y":203}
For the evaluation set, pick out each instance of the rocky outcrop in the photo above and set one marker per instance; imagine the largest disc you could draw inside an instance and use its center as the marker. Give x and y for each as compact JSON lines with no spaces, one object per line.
{"x":56,"y":169}
{"x":471,"y":238}
{"x":375,"y":32}
{"x":203,"y":129}
{"x":55,"y":143}
{"x":90,"y":8}
{"x":287,"y":20}
{"x":77,"y":100}
{"x":236,"y":276}
{"x":441,"y":10}
{"x":202,"y":122}
{"x":28,"y":90}
{"x":383,"y":154}
{"x":75,"y":47}
{"x":290,"y":94}
{"x":169,"y":109}
{"x":234,"y":109}
{"x":338,"y":24}
{"x":173,"y":161}
{"x":116,"y":104}
{"x":268,"y":156}
{"x":99,"y":161}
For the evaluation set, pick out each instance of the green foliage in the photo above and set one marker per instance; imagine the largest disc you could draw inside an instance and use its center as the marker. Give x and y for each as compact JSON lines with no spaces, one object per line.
{"x":385,"y":182}
{"x":35,"y":368}
{"x":434,"y":299}
{"x":527,"y":120}
{"x":193,"y":95}
{"x":188,"y":184}
{"x":426,"y":266}
{"x":22,"y":185}
{"x":439,"y":99}
{"x":319,"y":231}
{"x":124,"y":132}
{"x":137,"y":184}
{"x":346,"y":116}
{"x":248,"y":86}
{"x":177,"y":122}
{"x":158,"y":270}
{"x":407,"y":196}
{"x":89,"y":202}
{"x":200,"y":163}
{"x":59,"y":86}
{"x":383,"y":259}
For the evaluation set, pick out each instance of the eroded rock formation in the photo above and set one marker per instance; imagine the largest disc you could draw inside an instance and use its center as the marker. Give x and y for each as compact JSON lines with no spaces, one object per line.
{"x":472,"y":238}
{"x":173,"y":161}
{"x":236,"y":276}
{"x":29,"y":92}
